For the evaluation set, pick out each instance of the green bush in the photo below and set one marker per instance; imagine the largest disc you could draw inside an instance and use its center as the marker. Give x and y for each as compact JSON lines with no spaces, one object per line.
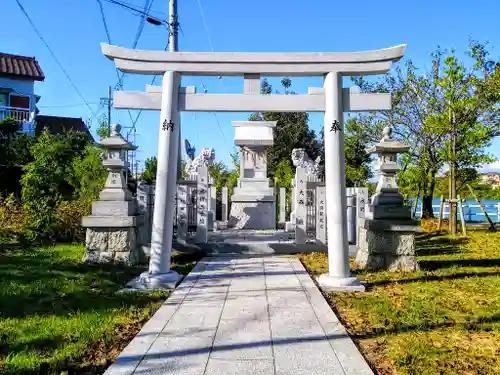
{"x":20,"y":225}
{"x":68,"y":221}
{"x":64,"y":176}
{"x":12,"y":220}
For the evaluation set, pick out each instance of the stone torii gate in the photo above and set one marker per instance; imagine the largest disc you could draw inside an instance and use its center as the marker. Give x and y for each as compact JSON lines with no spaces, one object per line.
{"x":332,"y":99}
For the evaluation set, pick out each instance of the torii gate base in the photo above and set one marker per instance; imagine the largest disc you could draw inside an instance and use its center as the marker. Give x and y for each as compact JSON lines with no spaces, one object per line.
{"x":251,"y":66}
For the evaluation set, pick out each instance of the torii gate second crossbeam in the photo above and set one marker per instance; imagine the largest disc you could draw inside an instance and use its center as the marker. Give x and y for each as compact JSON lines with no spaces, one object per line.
{"x":333,"y":100}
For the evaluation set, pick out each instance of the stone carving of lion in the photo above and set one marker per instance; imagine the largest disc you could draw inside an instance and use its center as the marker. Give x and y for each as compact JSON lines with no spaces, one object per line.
{"x":300,"y":159}
{"x":205,"y":158}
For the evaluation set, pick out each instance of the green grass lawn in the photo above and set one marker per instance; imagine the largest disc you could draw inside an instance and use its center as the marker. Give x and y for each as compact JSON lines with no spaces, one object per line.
{"x":58,"y":316}
{"x":443,"y":319}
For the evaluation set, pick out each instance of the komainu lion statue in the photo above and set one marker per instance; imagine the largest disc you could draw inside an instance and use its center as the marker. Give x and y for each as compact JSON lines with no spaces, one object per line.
{"x":205,"y":158}
{"x":300,"y":159}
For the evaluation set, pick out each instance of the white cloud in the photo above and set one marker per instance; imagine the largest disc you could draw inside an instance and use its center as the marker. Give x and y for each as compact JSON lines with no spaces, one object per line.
{"x":493,"y":167}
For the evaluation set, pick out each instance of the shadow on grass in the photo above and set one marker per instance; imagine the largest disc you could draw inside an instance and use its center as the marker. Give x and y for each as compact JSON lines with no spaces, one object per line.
{"x":431,"y":265}
{"x":39,"y":283}
{"x":429,"y":244}
{"x":426,"y":278}
{"x":480,"y":324}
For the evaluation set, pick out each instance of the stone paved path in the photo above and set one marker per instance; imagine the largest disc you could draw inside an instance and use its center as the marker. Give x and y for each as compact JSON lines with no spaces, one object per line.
{"x":259,"y":315}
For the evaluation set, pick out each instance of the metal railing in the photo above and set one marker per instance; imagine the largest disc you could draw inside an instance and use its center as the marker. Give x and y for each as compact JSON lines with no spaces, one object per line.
{"x":15,"y":113}
{"x":472,"y":211}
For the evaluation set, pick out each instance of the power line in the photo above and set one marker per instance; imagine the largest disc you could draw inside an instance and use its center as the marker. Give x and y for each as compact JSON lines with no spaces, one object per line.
{"x":104,"y":21}
{"x":205,"y":25}
{"x":55,"y":58}
{"x":152,"y":83}
{"x":108,"y":34}
{"x":132,"y":5}
{"x":137,"y":11}
{"x":64,"y":105}
{"x":212,"y":48}
{"x":140,"y":29}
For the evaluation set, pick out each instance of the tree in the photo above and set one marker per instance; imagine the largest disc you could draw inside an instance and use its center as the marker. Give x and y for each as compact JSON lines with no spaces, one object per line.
{"x":413,"y":99}
{"x":47,"y":179}
{"x":468,"y":120}
{"x":103,"y":129}
{"x":357,"y":136}
{"x":291,"y":131}
{"x":14,"y":154}
{"x":87,"y":174}
{"x":150,"y":168}
{"x":434,"y":109}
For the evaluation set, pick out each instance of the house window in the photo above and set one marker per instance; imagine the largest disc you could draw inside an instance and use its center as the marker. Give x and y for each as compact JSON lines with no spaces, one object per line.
{"x":4,"y":99}
{"x":18,"y":101}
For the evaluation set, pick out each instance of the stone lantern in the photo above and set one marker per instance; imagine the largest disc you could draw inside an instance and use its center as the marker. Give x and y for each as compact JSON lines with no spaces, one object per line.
{"x":112,"y":227}
{"x":387,"y":233}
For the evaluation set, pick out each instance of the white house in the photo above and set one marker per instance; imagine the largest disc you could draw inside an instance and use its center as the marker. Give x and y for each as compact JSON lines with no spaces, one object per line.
{"x":17,"y":89}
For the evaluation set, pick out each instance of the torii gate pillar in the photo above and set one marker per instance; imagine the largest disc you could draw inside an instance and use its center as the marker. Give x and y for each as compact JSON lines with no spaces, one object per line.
{"x":338,"y":276}
{"x":159,"y":274}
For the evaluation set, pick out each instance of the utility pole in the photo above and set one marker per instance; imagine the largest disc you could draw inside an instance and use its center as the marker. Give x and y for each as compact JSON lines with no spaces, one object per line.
{"x":108,"y":102}
{"x":173,"y":26}
{"x":109,"y":109}
{"x":173,"y":46}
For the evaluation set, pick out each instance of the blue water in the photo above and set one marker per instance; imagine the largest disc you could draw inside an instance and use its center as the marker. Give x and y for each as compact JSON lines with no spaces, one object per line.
{"x":472,"y":212}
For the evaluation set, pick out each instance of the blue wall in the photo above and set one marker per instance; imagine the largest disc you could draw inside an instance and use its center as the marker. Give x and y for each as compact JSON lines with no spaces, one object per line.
{"x":20,"y":87}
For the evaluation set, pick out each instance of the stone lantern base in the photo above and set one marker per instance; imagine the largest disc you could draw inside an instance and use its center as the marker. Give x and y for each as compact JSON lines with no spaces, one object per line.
{"x":112,"y":239}
{"x":387,"y":244}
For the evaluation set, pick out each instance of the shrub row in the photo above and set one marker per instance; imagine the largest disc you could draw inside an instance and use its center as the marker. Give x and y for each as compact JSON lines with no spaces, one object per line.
{"x":62,"y":223}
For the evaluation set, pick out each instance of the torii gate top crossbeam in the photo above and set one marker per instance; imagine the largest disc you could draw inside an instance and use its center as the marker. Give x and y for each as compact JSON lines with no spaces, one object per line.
{"x":265,"y":63}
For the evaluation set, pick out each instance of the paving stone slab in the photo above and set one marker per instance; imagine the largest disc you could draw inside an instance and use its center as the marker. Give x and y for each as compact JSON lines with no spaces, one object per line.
{"x":235,"y":292}
{"x":226,"y":367}
{"x":306,"y":358}
{"x":306,"y":327}
{"x":288,"y":299}
{"x":293,"y":316}
{"x":254,"y":307}
{"x":243,"y":285}
{"x":346,"y":351}
{"x":242,"y":339}
{"x":177,"y":355}
{"x":194,"y":316}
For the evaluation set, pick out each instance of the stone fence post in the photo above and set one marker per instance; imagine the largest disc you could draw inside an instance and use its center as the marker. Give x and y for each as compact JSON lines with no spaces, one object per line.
{"x":225,"y":204}
{"x":351,"y":215}
{"x":145,"y":202}
{"x":300,"y":206}
{"x":282,"y":207}
{"x":202,"y":205}
{"x":320,"y":215}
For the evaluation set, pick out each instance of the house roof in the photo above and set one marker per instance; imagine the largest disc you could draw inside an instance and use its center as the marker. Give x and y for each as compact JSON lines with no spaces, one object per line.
{"x":56,"y":125}
{"x":20,"y":67}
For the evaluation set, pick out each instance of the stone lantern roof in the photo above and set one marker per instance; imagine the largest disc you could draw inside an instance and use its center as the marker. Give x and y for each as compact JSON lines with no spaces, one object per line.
{"x":116,"y":140}
{"x":387,"y":144}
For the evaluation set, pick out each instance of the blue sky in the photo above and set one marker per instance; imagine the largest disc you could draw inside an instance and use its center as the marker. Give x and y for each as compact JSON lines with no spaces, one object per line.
{"x":74,"y":31}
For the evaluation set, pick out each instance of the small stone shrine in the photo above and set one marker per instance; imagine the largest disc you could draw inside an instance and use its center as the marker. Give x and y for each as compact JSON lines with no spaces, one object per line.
{"x":387,"y":233}
{"x":112,"y":228}
{"x":253,"y":204}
